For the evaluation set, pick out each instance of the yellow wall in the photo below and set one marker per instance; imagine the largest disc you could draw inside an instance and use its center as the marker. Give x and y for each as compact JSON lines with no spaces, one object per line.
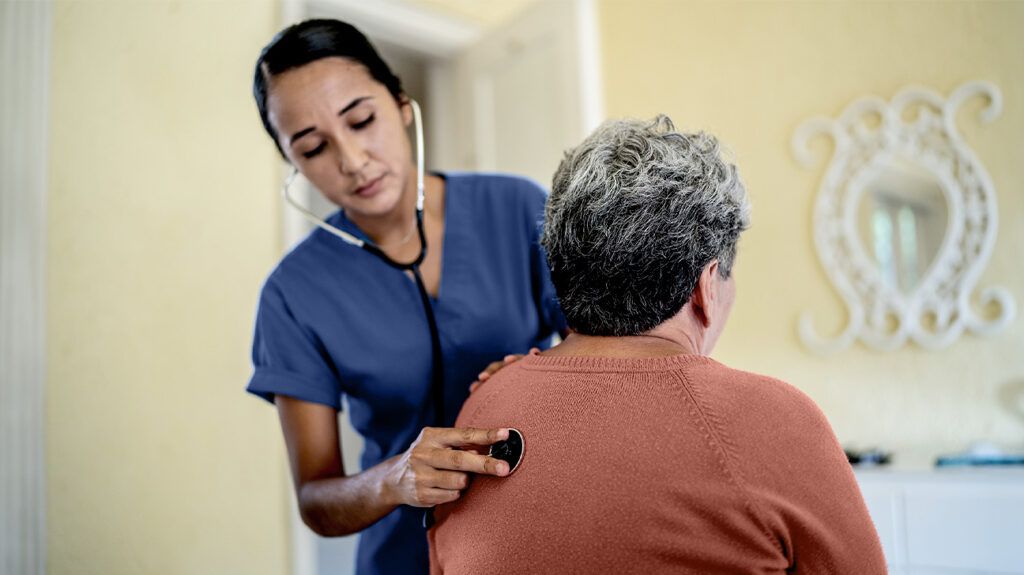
{"x":163,"y":220}
{"x":750,"y":73}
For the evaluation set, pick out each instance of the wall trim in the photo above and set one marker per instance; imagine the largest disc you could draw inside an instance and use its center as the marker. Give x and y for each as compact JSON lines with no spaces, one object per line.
{"x":24,"y":124}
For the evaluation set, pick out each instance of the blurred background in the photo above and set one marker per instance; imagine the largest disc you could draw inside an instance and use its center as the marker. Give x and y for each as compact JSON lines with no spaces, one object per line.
{"x":141,"y":212}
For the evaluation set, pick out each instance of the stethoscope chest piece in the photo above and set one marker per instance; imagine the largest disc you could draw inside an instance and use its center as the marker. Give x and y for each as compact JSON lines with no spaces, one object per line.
{"x":510,"y":450}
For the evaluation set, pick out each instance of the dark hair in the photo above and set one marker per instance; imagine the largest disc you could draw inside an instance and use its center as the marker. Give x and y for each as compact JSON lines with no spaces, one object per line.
{"x":311,"y":40}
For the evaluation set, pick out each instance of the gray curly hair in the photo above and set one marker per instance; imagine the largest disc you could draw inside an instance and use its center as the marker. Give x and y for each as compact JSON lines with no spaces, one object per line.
{"x":636,"y":212}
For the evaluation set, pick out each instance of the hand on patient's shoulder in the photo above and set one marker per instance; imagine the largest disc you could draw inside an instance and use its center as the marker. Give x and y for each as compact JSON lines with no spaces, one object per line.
{"x":496,"y":366}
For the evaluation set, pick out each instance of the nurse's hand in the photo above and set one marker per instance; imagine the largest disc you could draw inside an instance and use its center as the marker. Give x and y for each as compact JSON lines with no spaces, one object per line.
{"x":435,"y":470}
{"x":496,"y":366}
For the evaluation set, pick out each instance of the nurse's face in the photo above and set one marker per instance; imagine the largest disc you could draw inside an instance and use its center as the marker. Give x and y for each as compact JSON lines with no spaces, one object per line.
{"x":345,"y":132}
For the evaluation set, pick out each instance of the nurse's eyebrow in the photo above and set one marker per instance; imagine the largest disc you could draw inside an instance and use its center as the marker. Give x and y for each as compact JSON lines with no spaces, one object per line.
{"x":353,"y":104}
{"x":348,"y":107}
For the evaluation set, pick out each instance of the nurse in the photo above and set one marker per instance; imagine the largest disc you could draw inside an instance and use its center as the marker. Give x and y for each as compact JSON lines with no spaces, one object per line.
{"x":336,"y":320}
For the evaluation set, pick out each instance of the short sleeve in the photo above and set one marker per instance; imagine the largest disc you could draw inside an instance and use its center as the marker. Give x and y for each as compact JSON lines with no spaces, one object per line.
{"x":287,"y":357}
{"x":551,"y":316}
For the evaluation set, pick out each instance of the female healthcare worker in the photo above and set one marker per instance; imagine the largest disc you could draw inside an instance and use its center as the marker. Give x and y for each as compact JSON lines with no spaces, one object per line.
{"x":397,"y":302}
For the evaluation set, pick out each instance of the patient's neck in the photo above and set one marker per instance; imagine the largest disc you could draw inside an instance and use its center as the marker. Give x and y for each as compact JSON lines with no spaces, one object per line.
{"x":682,"y":333}
{"x":647,"y":345}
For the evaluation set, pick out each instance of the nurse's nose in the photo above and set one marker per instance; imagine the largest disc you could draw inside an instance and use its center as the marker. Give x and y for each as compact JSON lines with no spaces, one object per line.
{"x":352,"y":157}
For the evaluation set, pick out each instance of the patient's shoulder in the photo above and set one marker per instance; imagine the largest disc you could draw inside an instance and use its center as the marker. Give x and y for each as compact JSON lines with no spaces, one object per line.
{"x":757,"y":401}
{"x":495,"y":399}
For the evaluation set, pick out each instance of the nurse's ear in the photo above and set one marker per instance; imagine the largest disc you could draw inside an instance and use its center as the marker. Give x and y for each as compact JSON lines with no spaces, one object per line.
{"x":406,"y":108}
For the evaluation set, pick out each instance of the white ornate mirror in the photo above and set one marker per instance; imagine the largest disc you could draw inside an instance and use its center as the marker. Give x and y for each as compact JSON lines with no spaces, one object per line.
{"x":905,"y":221}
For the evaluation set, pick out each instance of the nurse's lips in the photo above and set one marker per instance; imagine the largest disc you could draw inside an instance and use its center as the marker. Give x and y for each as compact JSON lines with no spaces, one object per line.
{"x":370,"y":188}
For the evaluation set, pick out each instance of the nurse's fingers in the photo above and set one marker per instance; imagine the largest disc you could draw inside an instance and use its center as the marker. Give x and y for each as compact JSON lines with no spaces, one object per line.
{"x":493,"y":368}
{"x":456,"y":480}
{"x":467,"y":436}
{"x":458,"y":460}
{"x":432,"y":496}
{"x":496,"y":366}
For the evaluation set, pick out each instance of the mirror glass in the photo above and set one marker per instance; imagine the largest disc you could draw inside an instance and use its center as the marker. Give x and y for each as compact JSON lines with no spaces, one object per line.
{"x":902,"y":220}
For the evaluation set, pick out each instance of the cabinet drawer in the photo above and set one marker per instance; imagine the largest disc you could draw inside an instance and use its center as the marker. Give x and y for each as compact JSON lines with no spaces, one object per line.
{"x":966,"y":527}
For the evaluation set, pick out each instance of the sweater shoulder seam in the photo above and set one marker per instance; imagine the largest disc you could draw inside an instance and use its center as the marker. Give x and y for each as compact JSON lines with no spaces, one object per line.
{"x":718,"y":441}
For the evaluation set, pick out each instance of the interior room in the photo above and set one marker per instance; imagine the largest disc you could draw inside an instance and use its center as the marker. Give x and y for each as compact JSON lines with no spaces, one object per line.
{"x":880,"y":144}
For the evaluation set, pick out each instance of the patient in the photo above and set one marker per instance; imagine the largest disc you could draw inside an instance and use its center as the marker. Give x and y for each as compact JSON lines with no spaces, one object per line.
{"x":642,"y":454}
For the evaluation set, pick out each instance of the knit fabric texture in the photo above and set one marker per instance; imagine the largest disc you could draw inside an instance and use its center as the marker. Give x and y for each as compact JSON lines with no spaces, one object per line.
{"x":673,"y":464}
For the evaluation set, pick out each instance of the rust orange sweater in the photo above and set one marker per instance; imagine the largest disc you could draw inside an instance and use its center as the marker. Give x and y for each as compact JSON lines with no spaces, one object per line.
{"x":656,"y":465}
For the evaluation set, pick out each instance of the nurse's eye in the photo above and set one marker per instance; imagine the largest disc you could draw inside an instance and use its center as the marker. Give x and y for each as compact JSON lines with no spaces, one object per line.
{"x":315,"y":150}
{"x":364,"y":123}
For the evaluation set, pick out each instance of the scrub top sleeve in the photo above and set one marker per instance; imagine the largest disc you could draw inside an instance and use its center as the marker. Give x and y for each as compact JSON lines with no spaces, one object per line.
{"x":288,"y":359}
{"x":550,"y":311}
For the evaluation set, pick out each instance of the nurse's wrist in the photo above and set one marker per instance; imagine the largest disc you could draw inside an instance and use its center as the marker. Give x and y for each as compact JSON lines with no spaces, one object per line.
{"x":387,"y":492}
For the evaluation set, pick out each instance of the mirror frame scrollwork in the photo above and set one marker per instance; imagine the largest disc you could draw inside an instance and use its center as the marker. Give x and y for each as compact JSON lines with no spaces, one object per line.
{"x":918,"y":124}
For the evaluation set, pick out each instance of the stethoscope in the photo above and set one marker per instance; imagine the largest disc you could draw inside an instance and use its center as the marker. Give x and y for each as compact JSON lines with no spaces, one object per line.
{"x":437,"y":373}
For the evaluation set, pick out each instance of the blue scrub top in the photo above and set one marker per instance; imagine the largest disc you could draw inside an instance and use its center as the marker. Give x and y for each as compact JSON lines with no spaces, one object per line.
{"x":336,"y":320}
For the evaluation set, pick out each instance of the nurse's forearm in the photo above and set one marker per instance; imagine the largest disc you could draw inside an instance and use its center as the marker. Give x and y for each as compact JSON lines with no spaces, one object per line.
{"x":340,"y":506}
{"x":434,"y":470}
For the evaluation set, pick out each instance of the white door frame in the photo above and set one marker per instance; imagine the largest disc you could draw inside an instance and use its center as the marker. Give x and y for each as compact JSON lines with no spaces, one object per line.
{"x":26,"y":28}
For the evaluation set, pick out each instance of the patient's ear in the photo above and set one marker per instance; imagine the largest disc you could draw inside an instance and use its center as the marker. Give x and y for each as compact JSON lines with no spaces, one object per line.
{"x":706,"y":294}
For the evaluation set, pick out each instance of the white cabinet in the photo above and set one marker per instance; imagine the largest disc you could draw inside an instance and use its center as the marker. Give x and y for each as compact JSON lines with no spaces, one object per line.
{"x":948,"y":521}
